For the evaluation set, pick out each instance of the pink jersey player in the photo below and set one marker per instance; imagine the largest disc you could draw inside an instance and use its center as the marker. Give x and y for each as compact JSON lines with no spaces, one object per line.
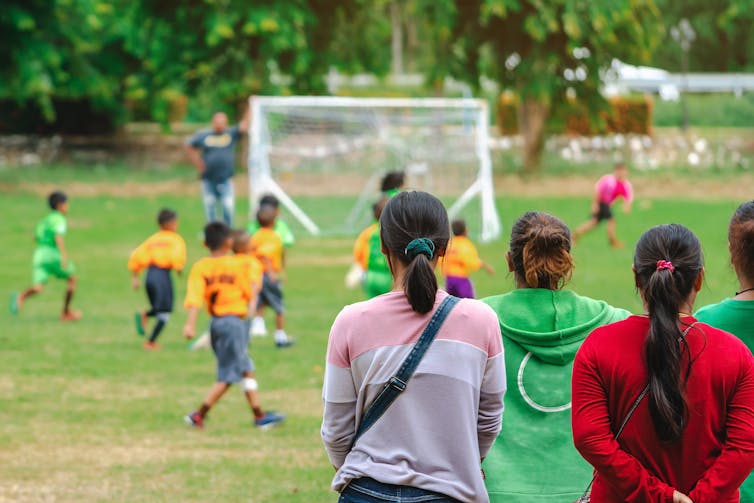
{"x":609,"y":188}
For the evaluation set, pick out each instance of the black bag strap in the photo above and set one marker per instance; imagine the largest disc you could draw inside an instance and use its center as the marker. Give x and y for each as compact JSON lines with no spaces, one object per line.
{"x":585,"y":497}
{"x":396,"y":384}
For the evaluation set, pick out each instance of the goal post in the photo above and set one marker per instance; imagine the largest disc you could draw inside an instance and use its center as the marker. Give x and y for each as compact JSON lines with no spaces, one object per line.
{"x":306,"y":146}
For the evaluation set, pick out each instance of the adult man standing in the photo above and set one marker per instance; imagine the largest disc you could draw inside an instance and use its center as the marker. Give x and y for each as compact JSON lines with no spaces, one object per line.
{"x":211,"y":151}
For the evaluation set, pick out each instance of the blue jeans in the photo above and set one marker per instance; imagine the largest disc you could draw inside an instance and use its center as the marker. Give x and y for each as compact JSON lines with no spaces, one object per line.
{"x":366,"y":490}
{"x":222,"y":192}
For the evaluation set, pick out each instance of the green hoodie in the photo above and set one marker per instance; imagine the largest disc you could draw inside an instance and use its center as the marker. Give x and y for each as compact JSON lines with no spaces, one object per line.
{"x":533,"y":458}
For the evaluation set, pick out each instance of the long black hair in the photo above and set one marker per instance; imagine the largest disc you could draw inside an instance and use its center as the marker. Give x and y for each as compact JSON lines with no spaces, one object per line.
{"x":667,"y":262}
{"x":414,"y":227}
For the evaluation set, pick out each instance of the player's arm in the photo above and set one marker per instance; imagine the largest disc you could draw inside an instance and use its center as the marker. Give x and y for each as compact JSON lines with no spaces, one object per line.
{"x":136,"y":262}
{"x":628,"y":197}
{"x":194,"y":300}
{"x":189,"y":329}
{"x":179,"y":257}
{"x":243,"y":124}
{"x":194,"y":154}
{"x":488,"y":268}
{"x":596,"y":202}
{"x":60,"y":242}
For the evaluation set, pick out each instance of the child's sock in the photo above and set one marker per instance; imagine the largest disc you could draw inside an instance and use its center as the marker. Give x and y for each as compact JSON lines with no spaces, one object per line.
{"x":156,"y":330}
{"x":258,"y":412}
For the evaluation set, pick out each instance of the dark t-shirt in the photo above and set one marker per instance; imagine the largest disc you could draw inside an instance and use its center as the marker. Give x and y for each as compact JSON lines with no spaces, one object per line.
{"x":217,"y":152}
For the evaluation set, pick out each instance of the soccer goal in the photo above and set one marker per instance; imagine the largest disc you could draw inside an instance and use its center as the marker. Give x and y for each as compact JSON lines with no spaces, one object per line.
{"x":323,"y":157}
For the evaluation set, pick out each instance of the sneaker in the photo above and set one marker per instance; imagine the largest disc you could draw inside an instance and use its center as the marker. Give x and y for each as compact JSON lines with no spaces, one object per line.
{"x":282,"y":340}
{"x":151,"y":346}
{"x":138,"y":321}
{"x":70,"y":316}
{"x":258,"y":329}
{"x":195,"y":420}
{"x":13,"y":303}
{"x":269,"y":420}
{"x":285,"y":343}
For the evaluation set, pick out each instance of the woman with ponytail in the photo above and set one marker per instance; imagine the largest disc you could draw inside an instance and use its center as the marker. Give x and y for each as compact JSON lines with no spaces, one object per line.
{"x":736,"y":314}
{"x":542,"y":324}
{"x":429,"y":443}
{"x":685,"y":390}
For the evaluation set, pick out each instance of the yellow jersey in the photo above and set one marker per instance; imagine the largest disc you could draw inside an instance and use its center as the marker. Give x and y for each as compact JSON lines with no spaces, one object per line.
{"x":224,"y":283}
{"x":268,"y":248}
{"x":461,"y":258}
{"x":255,"y":266}
{"x":165,"y":249}
{"x":361,"y":246}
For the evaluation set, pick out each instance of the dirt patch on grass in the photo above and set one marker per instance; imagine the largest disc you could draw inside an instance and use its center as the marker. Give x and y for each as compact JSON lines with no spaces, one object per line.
{"x":659,"y":187}
{"x":547,"y":186}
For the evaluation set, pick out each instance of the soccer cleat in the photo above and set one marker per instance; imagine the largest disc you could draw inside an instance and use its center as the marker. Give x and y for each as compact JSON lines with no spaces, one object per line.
{"x":70,"y":316}
{"x":14,"y":303}
{"x":195,"y":420}
{"x":258,"y":329}
{"x":139,"y":324}
{"x":269,"y":420}
{"x":151,"y":346}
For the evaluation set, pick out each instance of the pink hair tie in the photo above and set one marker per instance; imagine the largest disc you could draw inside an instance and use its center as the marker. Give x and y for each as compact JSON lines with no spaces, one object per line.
{"x":665,"y":264}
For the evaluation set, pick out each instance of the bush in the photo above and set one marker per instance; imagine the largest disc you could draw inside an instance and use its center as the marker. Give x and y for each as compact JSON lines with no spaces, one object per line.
{"x":625,"y":115}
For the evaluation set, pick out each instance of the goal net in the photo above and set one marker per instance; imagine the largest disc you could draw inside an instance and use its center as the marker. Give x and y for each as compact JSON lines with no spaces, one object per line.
{"x":324,"y":157}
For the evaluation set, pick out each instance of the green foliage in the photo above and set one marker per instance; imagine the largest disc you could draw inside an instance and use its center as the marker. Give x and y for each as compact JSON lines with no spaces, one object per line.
{"x":146,"y":57}
{"x":724,"y":39}
{"x":528,"y":45}
{"x":65,"y":49}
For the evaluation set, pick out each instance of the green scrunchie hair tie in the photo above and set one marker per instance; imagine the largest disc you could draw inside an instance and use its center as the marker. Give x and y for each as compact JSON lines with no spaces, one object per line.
{"x":420,"y":246}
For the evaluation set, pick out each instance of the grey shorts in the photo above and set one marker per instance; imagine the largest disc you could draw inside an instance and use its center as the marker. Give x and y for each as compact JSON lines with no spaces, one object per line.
{"x":230,"y":342}
{"x":271,"y":295}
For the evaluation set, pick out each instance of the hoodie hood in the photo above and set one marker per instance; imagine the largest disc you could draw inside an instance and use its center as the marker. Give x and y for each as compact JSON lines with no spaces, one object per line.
{"x":551,"y":324}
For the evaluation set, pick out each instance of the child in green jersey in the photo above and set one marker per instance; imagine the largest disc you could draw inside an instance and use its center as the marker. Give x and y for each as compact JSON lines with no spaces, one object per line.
{"x":51,"y":257}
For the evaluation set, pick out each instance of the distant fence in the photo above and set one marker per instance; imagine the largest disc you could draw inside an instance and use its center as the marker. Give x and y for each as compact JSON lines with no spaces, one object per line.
{"x":138,"y":144}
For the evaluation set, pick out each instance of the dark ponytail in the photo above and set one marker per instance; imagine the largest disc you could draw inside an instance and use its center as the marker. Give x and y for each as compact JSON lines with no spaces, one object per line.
{"x":414,"y":228}
{"x":667,"y":262}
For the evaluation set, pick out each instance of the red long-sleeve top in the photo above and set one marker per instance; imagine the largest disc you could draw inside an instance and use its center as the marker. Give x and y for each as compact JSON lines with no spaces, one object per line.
{"x":716,"y":451}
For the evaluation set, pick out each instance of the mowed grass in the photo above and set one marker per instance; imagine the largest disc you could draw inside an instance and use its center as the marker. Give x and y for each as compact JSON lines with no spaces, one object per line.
{"x":87,"y":415}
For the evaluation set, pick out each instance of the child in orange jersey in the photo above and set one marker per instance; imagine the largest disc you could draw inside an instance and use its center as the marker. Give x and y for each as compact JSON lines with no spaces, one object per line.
{"x":224,"y":283}
{"x":460,"y":260}
{"x":159,"y":254}
{"x":268,"y":248}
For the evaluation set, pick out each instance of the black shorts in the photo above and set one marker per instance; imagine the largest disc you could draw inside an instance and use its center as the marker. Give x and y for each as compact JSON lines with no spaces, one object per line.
{"x":271,"y":295}
{"x":603,"y":213}
{"x":159,"y":290}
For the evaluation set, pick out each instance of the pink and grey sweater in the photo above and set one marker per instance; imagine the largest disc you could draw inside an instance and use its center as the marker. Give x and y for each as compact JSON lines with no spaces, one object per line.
{"x":435,"y":433}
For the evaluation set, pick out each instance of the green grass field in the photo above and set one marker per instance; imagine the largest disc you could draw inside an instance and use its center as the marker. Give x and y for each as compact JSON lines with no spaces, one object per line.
{"x":87,"y":415}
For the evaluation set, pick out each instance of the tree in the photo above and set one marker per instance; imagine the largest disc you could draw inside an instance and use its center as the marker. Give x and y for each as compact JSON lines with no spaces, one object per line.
{"x":146,"y":56}
{"x":60,"y":49}
{"x":724,"y":43}
{"x":545,"y":51}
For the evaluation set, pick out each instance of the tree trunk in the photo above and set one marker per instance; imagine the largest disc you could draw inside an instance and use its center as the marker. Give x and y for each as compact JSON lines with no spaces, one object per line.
{"x":397,"y":37}
{"x":533,"y":116}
